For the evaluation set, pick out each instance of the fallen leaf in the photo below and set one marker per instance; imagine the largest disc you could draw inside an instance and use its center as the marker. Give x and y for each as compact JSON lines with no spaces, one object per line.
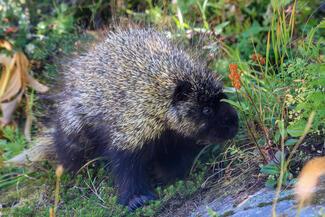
{"x":5,"y":76}
{"x":33,"y":83}
{"x":8,"y":109}
{"x":14,"y":80}
{"x":11,"y":81}
{"x":5,"y":60}
{"x":5,"y":44}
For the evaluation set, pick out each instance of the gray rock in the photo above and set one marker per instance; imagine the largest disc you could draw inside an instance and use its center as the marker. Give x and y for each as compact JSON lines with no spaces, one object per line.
{"x":260,"y":204}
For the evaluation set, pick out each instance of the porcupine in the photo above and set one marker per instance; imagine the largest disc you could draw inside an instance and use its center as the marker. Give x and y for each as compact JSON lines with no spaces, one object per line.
{"x":138,"y":101}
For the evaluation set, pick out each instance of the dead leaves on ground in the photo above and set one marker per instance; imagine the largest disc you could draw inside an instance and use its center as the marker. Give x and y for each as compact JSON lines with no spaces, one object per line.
{"x":14,"y":80}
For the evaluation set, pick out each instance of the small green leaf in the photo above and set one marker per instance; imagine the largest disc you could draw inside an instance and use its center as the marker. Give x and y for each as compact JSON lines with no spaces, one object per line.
{"x":322,"y":24}
{"x":212,"y":213}
{"x":253,"y":30}
{"x":237,"y":105}
{"x":296,"y":130}
{"x":270,"y":169}
{"x":219,"y":28}
{"x":290,"y":142}
{"x":270,"y":182}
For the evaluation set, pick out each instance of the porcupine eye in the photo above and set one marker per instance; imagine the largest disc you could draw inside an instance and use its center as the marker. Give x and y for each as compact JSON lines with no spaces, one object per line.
{"x":207,"y":111}
{"x":182,"y":91}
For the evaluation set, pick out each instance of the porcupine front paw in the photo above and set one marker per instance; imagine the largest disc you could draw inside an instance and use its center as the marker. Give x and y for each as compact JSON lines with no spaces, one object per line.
{"x":131,"y":178}
{"x":139,"y":200}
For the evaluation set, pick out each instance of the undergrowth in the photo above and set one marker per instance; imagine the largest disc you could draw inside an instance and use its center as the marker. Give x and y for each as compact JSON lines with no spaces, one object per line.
{"x":270,"y":53}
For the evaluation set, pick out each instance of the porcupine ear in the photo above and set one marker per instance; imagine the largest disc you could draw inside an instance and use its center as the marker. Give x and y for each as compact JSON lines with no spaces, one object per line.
{"x":182,"y":91}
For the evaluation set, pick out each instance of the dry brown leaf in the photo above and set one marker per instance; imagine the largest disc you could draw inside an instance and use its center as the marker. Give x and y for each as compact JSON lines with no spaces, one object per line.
{"x":8,"y":109}
{"x":5,"y":44}
{"x":33,"y":83}
{"x":22,"y":65}
{"x":13,"y":82}
{"x":5,"y":60}
{"x":308,"y":179}
{"x":6,"y":74}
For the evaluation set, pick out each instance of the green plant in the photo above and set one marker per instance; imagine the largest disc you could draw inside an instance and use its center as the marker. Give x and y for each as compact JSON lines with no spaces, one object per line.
{"x":212,"y":213}
{"x":13,"y":143}
{"x":279,"y":52}
{"x":276,"y":92}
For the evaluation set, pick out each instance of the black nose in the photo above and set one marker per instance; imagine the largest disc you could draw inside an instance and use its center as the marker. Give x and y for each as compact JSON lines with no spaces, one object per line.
{"x":228,"y":115}
{"x":228,"y":121}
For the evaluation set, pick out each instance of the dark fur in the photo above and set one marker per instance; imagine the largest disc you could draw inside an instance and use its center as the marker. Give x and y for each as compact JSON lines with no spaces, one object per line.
{"x":167,"y":158}
{"x":164,"y":160}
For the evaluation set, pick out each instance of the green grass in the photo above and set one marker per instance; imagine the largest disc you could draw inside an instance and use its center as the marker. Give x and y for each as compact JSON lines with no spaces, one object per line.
{"x":89,"y":194}
{"x":276,"y":98}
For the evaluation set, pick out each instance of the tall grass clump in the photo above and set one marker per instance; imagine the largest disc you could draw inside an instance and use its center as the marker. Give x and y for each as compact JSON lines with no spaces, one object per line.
{"x":281,"y":97}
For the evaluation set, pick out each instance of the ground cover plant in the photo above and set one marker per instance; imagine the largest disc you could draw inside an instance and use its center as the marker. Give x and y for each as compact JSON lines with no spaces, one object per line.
{"x":270,"y":54}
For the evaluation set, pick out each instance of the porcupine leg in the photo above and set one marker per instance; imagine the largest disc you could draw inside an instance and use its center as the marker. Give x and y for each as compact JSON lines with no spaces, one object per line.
{"x":70,"y":152}
{"x":174,"y":158}
{"x":131,"y":178}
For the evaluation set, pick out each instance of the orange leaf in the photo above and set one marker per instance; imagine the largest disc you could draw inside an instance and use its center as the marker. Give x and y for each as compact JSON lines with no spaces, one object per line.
{"x":234,"y":76}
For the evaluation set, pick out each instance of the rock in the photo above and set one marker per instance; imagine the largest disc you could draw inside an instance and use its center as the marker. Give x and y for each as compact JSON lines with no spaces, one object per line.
{"x":260,"y":204}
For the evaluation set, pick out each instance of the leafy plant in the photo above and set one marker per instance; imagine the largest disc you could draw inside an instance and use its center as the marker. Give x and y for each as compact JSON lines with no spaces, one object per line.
{"x":276,"y":80}
{"x":15,"y":142}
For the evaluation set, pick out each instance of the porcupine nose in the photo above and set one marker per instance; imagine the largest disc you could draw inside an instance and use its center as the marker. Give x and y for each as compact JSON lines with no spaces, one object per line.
{"x":228,"y":121}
